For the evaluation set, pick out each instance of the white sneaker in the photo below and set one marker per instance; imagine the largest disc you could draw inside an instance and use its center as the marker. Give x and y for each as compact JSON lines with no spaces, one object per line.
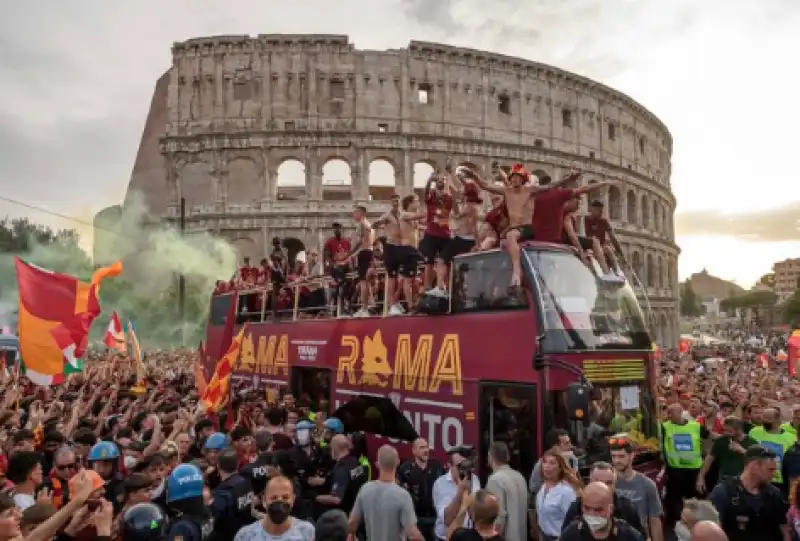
{"x":396,"y":310}
{"x":362,"y":313}
{"x":436,"y":292}
{"x":612,"y":278}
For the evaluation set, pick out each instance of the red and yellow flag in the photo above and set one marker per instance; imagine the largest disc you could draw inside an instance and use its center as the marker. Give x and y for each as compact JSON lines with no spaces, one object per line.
{"x":793,"y":355}
{"x":217,"y":388}
{"x":55,"y":314}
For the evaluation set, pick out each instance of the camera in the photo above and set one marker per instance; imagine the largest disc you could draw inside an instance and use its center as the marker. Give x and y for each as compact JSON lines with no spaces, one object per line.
{"x":467,"y":466}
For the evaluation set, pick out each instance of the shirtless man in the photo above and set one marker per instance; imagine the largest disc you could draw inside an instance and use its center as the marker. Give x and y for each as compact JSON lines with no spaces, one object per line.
{"x":407,"y":254}
{"x":465,"y":212}
{"x":363,"y":240}
{"x":391,"y":225}
{"x":519,"y":203}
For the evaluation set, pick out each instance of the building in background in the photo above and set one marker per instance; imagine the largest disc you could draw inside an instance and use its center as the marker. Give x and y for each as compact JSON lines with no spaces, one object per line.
{"x":279,"y":136}
{"x":787,"y":278}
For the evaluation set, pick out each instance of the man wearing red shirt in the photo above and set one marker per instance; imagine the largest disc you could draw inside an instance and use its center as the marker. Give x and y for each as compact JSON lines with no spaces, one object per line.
{"x":336,"y":247}
{"x":439,"y":205}
{"x":597,"y":226}
{"x":247,"y":273}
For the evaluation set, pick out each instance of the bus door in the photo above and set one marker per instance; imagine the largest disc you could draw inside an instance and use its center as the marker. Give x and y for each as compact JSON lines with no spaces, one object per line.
{"x":508,"y":414}
{"x":311,"y":386}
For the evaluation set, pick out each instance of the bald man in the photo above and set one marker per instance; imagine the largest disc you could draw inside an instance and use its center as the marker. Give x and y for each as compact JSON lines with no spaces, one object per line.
{"x":417,"y":476}
{"x":278,"y":523}
{"x":347,"y":477}
{"x":708,"y":531}
{"x":597,"y":509}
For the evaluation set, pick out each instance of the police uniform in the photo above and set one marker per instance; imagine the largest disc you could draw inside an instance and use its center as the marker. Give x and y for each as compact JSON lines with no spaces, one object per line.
{"x":256,"y":472}
{"x":115,"y":492}
{"x":190,"y":529}
{"x":745,"y":516}
{"x":185,"y":487}
{"x":682,"y":445}
{"x":231,"y":506}
{"x":347,"y":477}
{"x":419,"y":484}
{"x":779,"y":444}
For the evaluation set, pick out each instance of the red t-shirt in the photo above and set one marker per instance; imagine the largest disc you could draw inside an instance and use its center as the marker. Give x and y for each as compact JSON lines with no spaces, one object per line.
{"x":337,"y":247}
{"x":248,"y":273}
{"x":439,"y":207}
{"x":597,"y":228}
{"x":548,"y":214}
{"x":497,"y":218}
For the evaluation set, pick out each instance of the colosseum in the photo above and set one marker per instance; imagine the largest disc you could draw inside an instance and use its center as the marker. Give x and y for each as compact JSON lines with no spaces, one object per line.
{"x":278,"y":135}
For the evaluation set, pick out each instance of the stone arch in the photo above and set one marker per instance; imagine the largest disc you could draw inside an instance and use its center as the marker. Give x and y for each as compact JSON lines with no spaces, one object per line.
{"x":246,"y":247}
{"x":651,"y":270}
{"x":294,"y":246}
{"x":541,"y":173}
{"x":337,"y":179}
{"x":614,"y":203}
{"x":195,"y":184}
{"x":656,"y":216}
{"x":663,"y":329}
{"x":382,"y":179}
{"x":291,"y":179}
{"x":637,"y":264}
{"x":665,"y":216}
{"x":243,"y":182}
{"x":659,"y":272}
{"x":632,"y":208}
{"x":422,"y":172}
{"x":644,"y":208}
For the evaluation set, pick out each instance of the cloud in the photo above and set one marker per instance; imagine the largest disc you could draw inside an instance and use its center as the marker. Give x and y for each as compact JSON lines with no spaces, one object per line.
{"x":775,"y":225}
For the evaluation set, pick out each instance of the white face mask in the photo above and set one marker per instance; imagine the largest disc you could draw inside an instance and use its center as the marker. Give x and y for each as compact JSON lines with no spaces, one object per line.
{"x":595,"y":523}
{"x":130,"y":462}
{"x":682,"y":532}
{"x":303,"y":437}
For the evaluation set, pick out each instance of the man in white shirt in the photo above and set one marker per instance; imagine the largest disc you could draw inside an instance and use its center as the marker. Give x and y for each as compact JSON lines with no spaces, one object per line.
{"x":25,"y":471}
{"x":449,"y":489}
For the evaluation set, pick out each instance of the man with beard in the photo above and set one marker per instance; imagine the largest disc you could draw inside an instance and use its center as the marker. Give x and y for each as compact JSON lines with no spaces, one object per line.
{"x":417,"y":476}
{"x":637,"y":488}
{"x":278,"y":524}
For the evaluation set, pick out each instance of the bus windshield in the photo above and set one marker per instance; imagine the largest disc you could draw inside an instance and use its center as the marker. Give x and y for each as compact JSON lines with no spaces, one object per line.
{"x":580,"y":312}
{"x":616,"y":409}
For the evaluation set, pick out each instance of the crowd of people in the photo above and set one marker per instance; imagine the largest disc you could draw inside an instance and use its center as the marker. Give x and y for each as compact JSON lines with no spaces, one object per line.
{"x":387,"y":259}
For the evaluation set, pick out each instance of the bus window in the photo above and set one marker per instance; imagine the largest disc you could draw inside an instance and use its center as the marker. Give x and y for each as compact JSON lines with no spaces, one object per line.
{"x":480,"y":283}
{"x":220,"y":306}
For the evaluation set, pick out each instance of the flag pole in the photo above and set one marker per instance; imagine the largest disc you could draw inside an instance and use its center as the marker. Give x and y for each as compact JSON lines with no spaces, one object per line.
{"x":182,"y":278}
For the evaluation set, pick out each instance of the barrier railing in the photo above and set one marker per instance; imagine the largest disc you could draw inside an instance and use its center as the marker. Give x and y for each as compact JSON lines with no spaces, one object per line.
{"x":270,"y":297}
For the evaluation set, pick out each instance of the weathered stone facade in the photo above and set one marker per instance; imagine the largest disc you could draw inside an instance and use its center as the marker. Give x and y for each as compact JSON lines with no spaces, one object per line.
{"x":232,"y":110}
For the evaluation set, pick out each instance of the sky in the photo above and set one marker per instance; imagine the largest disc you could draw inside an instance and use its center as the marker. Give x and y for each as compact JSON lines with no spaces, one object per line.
{"x":76,"y":79}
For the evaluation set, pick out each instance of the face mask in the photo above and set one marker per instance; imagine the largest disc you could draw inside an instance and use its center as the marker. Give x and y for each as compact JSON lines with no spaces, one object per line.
{"x":130,"y":462}
{"x":278,"y":512}
{"x":682,"y":532}
{"x":595,"y":523}
{"x":303,"y":437}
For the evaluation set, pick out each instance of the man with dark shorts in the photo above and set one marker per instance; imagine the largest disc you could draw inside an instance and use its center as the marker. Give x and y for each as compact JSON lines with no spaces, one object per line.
{"x":573,"y":238}
{"x":439,"y":205}
{"x":391,"y":247}
{"x":362,"y":250}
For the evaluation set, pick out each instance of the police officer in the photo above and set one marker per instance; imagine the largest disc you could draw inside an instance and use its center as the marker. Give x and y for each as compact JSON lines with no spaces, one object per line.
{"x":359,"y":450}
{"x":682,"y":446}
{"x":232,"y":500}
{"x":749,"y":506}
{"x":330,"y":428}
{"x":417,"y":476}
{"x":193,"y":521}
{"x":143,"y":522}
{"x":214,"y":444}
{"x":256,"y":471}
{"x":347,"y":477}
{"x":310,"y":463}
{"x":104,"y":458}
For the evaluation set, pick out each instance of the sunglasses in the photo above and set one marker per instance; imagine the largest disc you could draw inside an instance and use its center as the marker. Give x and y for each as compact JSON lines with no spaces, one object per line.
{"x":619,"y":443}
{"x":66,"y":466}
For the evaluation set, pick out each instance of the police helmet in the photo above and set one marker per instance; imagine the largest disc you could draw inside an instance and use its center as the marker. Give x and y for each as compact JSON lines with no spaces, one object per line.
{"x":305,"y":424}
{"x":144,"y":522}
{"x":105,"y":450}
{"x":334,"y":425}
{"x":185,"y":481}
{"x":216,"y":441}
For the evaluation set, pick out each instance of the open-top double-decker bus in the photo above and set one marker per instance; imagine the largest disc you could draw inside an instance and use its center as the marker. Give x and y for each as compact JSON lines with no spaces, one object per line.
{"x":497,"y":366}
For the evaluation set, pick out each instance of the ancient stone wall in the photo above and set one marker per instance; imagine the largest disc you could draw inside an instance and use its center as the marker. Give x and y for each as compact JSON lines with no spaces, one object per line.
{"x":254,"y":127}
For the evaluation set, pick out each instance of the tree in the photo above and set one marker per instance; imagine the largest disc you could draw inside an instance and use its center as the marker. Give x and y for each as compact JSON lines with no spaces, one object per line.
{"x":756,"y":301}
{"x":690,"y":304}
{"x":153,"y":307}
{"x":768,"y":279}
{"x":791,"y":309}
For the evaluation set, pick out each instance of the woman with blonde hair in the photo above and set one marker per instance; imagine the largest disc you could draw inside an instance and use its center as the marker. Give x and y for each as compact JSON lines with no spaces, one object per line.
{"x":560,"y":487}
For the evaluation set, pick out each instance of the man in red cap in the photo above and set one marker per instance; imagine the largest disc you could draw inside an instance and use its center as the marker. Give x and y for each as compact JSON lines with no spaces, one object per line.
{"x":519,"y":204}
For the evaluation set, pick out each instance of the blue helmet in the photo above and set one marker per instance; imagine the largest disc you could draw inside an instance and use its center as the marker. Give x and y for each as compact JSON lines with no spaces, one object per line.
{"x":216,"y":441}
{"x":334,"y":425}
{"x":305,"y":424}
{"x":105,"y":450}
{"x":185,"y":481}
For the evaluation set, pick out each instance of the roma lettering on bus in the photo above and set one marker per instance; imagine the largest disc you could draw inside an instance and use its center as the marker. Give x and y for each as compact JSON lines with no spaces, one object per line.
{"x":270,"y":359}
{"x":368,"y":362}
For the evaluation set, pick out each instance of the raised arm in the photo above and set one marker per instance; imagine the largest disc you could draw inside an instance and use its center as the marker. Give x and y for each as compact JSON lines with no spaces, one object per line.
{"x":591,"y":187}
{"x":485,"y":185}
{"x":383,"y":220}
